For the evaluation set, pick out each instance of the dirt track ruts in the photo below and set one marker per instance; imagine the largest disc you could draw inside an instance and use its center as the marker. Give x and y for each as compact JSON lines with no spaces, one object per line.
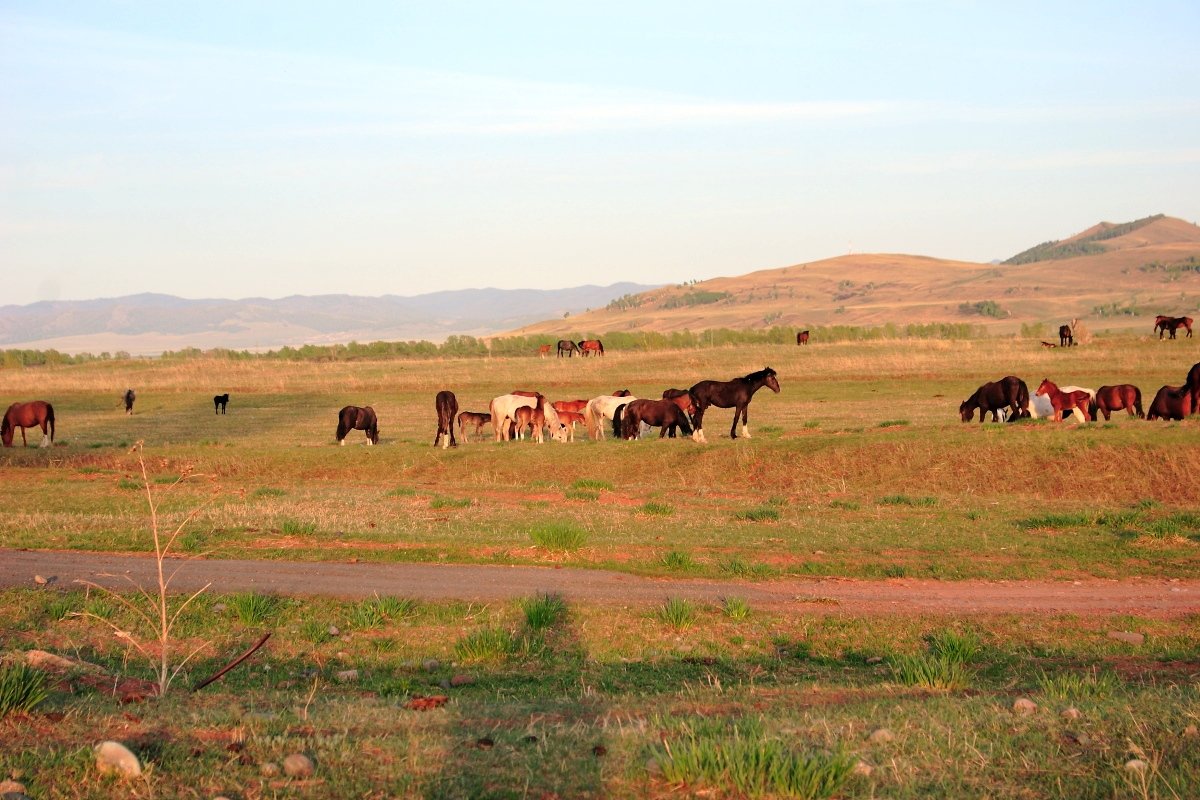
{"x":1154,"y":597}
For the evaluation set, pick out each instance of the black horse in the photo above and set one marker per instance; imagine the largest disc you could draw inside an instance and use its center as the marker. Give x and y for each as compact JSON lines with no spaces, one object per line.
{"x":129,"y":397}
{"x":219,"y":403}
{"x":1008,"y":392}
{"x":568,"y":347}
{"x":1066,"y":337}
{"x":447,"y":409}
{"x":353,"y":418}
{"x":735,"y":394}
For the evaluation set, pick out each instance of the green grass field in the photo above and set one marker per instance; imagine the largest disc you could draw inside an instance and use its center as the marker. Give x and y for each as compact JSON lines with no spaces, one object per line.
{"x":859,"y":468}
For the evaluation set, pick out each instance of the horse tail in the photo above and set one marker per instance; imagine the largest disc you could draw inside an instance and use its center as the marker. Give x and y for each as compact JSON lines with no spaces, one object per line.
{"x":50,"y":419}
{"x":1022,"y":400}
{"x":618,"y":413}
{"x":600,"y":344}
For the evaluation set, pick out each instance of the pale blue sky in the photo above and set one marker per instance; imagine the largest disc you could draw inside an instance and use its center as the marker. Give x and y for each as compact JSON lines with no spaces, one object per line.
{"x":233,"y":149}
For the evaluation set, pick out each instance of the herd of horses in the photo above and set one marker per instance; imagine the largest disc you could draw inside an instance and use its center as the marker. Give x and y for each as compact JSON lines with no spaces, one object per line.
{"x":1009,"y":398}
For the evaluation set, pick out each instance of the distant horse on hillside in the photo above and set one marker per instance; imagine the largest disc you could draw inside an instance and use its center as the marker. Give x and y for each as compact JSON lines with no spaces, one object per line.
{"x":735,"y":394}
{"x":1114,"y":398}
{"x":1066,"y":337}
{"x":591,"y":346}
{"x":543,"y":350}
{"x":802,"y":337}
{"x":568,"y":347}
{"x":219,"y":403}
{"x":129,"y":397}
{"x":473,"y":419}
{"x":354,"y":418}
{"x":37,"y":413}
{"x":1010,"y":392}
{"x":446,"y":405}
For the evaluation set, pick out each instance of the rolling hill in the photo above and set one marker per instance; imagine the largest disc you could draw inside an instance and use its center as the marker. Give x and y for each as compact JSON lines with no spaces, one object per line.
{"x":1114,"y":276}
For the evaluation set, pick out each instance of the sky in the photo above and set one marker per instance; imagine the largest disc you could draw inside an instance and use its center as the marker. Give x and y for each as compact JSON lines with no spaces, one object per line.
{"x":240,"y":149}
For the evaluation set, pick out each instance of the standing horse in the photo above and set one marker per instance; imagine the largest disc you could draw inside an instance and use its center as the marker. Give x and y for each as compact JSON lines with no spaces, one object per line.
{"x":802,"y":337}
{"x":666,"y":414}
{"x":475,"y":420}
{"x":569,"y":419}
{"x":601,"y":408}
{"x":353,"y":418}
{"x":568,"y":347}
{"x":593,"y":346}
{"x":1066,"y":338}
{"x":219,"y":403}
{"x":1114,"y":398}
{"x":1172,"y":402}
{"x":543,"y":350}
{"x":129,"y":397}
{"x":27,"y":415}
{"x":1173,"y":324}
{"x":1064,"y":401}
{"x":1010,"y":392}
{"x":447,"y":407}
{"x":735,"y":394}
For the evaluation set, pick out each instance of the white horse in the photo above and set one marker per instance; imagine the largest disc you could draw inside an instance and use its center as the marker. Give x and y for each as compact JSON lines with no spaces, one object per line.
{"x":504,"y":410}
{"x":600,"y":409}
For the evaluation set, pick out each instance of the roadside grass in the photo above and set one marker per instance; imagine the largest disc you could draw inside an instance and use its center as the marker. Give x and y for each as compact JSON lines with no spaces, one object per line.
{"x":610,"y":701}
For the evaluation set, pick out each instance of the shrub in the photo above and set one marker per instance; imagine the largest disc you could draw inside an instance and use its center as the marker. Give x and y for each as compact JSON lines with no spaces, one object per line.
{"x":22,"y":689}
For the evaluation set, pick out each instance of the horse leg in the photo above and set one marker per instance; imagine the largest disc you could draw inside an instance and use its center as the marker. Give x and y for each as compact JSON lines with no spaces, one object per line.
{"x":746,"y":421}
{"x":698,"y":422}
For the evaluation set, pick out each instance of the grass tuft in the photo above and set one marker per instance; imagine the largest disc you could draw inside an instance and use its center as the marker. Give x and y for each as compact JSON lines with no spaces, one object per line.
{"x":295,"y":527}
{"x":679,"y":561}
{"x":563,"y":536}
{"x":543,"y":611}
{"x":254,"y":609}
{"x":375,"y":611}
{"x":906,"y":500}
{"x":657,"y":509}
{"x":268,"y":491}
{"x":735,"y":607}
{"x":764,"y":513}
{"x":22,"y":689}
{"x":960,"y":647}
{"x":677,"y":612}
{"x":450,"y":502}
{"x":929,"y":671}
{"x":1094,"y":685}
{"x":486,"y":645}
{"x":593,"y":484}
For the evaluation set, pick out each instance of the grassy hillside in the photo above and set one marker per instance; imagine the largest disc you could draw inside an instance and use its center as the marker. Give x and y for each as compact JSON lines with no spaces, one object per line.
{"x":1130,"y":273}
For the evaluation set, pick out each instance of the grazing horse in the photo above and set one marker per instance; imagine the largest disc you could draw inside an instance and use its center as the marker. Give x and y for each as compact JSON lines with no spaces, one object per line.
{"x":593,"y":346}
{"x":735,"y":394}
{"x":543,"y":350}
{"x":1193,"y":385}
{"x":1066,"y":338}
{"x":353,"y":418}
{"x":475,"y":420}
{"x":667,"y":415}
{"x":27,"y":415}
{"x":1172,"y":324}
{"x":504,"y":414}
{"x":1009,"y":392}
{"x":219,"y":403}
{"x":568,"y":347}
{"x":1113,"y":398}
{"x":129,"y":397}
{"x":601,"y":408}
{"x":577,"y":406}
{"x":447,"y":407}
{"x":570,"y":419}
{"x":1172,"y":402}
{"x":1064,"y":401}
{"x":802,"y":337}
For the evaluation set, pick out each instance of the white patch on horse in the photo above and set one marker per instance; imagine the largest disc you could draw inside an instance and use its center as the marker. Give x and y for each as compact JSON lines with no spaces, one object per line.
{"x":45,"y":441}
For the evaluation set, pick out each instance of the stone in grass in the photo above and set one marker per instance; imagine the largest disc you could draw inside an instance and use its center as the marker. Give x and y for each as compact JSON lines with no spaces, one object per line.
{"x":1023,"y":706}
{"x":346,"y":676}
{"x":1127,"y":637}
{"x":11,"y":787}
{"x":462,"y":680}
{"x":862,"y":768}
{"x":1070,"y":713}
{"x":1135,"y":765}
{"x":114,"y":757}
{"x":1191,"y":731}
{"x":881,"y":736}
{"x":268,"y":769}
{"x":432,"y":665}
{"x":298,"y":765}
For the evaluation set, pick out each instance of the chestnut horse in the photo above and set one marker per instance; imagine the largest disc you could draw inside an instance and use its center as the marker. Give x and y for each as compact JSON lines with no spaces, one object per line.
{"x":1010,"y":392}
{"x":577,"y":406}
{"x":475,"y":420}
{"x":735,"y":394}
{"x":802,"y":337}
{"x":354,"y":418}
{"x":1065,"y":401}
{"x":447,"y":407}
{"x":1172,"y":402}
{"x":27,"y":415}
{"x":1114,"y":398}
{"x":129,"y":397}
{"x":543,"y":350}
{"x":591,"y":346}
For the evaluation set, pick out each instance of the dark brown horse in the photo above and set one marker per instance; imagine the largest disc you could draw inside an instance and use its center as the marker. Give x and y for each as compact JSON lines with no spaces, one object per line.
{"x":1171,"y":325}
{"x":473,"y":419}
{"x":1172,"y":402}
{"x":735,"y":394}
{"x":593,"y":347}
{"x":1066,"y":337}
{"x":1193,"y":385}
{"x":1009,"y":392}
{"x":802,"y":337}
{"x":447,"y":407}
{"x":129,"y":397}
{"x":1065,"y":401}
{"x":1114,"y":398}
{"x":37,"y":413}
{"x":353,"y":418}
{"x":568,"y":347}
{"x":219,"y":403}
{"x":668,"y":415}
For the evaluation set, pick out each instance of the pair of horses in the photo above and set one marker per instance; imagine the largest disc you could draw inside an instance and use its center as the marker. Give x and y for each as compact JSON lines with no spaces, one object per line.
{"x":34,"y":414}
{"x":1164,"y":324}
{"x":584,"y":348}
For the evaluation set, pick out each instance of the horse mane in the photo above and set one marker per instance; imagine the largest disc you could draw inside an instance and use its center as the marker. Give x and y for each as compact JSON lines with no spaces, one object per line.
{"x":760,"y":375}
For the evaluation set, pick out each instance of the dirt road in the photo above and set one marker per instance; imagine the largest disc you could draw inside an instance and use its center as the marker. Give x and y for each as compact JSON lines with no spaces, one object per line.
{"x":1155,"y":597}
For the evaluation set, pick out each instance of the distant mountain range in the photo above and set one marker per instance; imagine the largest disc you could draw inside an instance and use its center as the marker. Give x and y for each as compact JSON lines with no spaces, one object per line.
{"x":152,"y":323}
{"x":1113,"y":276}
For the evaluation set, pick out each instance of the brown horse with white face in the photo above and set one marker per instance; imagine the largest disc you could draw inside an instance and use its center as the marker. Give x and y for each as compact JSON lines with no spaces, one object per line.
{"x":37,"y":413}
